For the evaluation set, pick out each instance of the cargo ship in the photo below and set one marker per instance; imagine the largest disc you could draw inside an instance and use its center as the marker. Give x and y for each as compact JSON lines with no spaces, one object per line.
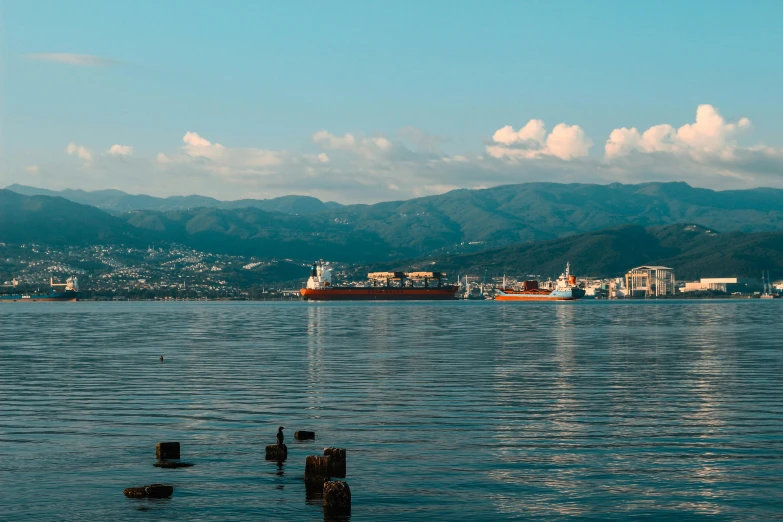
{"x":383,"y":286}
{"x":68,"y":291}
{"x":565,"y":289}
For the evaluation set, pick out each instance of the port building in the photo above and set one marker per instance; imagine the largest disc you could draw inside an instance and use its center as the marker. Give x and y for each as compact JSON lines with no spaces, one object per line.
{"x":650,"y":281}
{"x":728,"y":285}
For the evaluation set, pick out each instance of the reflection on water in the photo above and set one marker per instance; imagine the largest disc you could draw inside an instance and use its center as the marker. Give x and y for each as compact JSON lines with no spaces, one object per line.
{"x":472,"y":411}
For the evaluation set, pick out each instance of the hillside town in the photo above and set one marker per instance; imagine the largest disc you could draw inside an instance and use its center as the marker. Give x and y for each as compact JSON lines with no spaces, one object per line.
{"x":110,"y":272}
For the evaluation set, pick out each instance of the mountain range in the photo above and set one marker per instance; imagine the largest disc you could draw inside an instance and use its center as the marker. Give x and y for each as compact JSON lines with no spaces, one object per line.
{"x":119,"y":202}
{"x":503,"y":221}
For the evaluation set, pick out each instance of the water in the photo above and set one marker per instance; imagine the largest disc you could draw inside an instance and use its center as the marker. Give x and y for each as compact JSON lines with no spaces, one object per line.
{"x":449,"y":411}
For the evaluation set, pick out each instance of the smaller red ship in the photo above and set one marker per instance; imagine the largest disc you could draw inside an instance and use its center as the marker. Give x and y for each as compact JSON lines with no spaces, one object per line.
{"x":383,"y":286}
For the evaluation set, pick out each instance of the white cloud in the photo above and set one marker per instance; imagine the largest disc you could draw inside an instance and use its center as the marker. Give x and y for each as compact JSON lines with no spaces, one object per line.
{"x":531,"y":141}
{"x":709,"y":135}
{"x":77,"y":150}
{"x":323,"y":157}
{"x":225,"y":161}
{"x":120,"y":150}
{"x":371,"y":147}
{"x":82,"y":60}
{"x":31,"y":169}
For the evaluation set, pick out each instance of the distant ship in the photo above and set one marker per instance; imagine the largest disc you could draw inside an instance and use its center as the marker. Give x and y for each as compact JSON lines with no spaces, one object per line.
{"x":386,"y":286}
{"x":565,"y":290}
{"x":69,"y":292}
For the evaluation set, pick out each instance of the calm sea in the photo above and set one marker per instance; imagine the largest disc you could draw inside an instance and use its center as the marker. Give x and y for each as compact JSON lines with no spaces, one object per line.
{"x":448,"y":411}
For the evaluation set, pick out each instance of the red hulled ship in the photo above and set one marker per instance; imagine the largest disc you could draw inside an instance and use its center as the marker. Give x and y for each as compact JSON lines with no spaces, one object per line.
{"x":383,"y":286}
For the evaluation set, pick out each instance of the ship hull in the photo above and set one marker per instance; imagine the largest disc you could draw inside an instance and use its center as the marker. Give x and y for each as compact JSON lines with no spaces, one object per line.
{"x":379,"y":294}
{"x":535,"y":295}
{"x":37,"y":298}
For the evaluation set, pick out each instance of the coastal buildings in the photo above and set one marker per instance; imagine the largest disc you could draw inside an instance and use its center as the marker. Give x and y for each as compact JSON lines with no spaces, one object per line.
{"x":729,"y":285}
{"x":649,"y":281}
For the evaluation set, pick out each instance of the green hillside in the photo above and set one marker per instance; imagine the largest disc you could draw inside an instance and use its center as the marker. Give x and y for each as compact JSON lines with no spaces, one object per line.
{"x":57,"y":221}
{"x":450,"y":226}
{"x":693,"y":251}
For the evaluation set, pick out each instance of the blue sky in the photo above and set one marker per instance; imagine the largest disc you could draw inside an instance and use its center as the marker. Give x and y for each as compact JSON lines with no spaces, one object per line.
{"x":411,"y":95}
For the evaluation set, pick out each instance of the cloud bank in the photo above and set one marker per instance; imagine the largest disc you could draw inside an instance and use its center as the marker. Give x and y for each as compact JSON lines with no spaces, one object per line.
{"x":354,"y":167}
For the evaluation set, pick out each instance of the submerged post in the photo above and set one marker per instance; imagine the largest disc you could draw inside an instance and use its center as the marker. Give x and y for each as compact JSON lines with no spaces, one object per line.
{"x":337,"y":462}
{"x":153,"y":491}
{"x":167,"y":450}
{"x":278,"y":452}
{"x":316,"y":469}
{"x":337,"y":498}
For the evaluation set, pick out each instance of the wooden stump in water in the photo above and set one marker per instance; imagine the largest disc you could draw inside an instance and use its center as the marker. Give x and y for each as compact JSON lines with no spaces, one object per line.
{"x":277,"y":452}
{"x":304,"y":435}
{"x":316,"y":469}
{"x":153,"y":491}
{"x":167,"y":450}
{"x":172,"y":464}
{"x":135,"y":492}
{"x":337,"y":464}
{"x":337,"y":498}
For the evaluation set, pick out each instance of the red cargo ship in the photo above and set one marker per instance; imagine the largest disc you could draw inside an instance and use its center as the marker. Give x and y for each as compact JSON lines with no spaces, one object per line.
{"x":565,"y":289}
{"x":385,"y":286}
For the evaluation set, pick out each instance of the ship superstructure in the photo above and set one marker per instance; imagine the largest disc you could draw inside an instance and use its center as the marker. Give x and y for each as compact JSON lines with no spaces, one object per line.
{"x":382,"y":286}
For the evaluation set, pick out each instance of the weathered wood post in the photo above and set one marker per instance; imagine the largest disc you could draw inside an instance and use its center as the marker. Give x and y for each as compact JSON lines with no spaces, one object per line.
{"x":337,"y":464}
{"x":167,"y":450}
{"x":316,"y":469}
{"x":278,"y":452}
{"x":337,"y":498}
{"x":304,"y":435}
{"x":153,"y":491}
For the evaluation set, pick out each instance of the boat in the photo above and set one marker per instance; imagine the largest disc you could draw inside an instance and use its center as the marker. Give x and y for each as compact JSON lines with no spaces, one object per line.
{"x":68,"y":291}
{"x":564,"y":289}
{"x":382,"y":286}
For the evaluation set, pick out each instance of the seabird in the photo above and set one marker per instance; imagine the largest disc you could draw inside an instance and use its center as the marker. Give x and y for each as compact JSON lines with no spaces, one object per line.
{"x":280,"y":436}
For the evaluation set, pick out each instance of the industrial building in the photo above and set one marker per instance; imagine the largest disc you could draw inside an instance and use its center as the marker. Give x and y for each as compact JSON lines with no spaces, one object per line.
{"x":650,"y":281}
{"x":727,"y":285}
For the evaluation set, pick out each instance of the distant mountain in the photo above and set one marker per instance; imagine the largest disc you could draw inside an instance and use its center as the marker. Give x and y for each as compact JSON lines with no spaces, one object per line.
{"x":693,"y":251}
{"x":254,"y":232}
{"x":118,"y":202}
{"x":250,"y":231}
{"x":57,"y":221}
{"x":458,"y":222}
{"x":515,"y":213}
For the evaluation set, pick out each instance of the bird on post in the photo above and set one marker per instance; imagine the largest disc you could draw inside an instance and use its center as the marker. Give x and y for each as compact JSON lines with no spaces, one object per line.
{"x":280,"y":436}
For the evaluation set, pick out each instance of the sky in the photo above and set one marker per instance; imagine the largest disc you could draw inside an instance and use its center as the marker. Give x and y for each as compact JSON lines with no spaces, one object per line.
{"x":370,"y":101}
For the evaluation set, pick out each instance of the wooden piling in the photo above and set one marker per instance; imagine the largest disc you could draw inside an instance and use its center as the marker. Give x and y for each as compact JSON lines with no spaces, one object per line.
{"x":153,"y":491}
{"x":172,"y":464}
{"x":167,"y":450}
{"x":316,"y":469}
{"x":304,"y":435}
{"x":337,"y":498}
{"x":337,"y":462}
{"x":277,"y":452}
